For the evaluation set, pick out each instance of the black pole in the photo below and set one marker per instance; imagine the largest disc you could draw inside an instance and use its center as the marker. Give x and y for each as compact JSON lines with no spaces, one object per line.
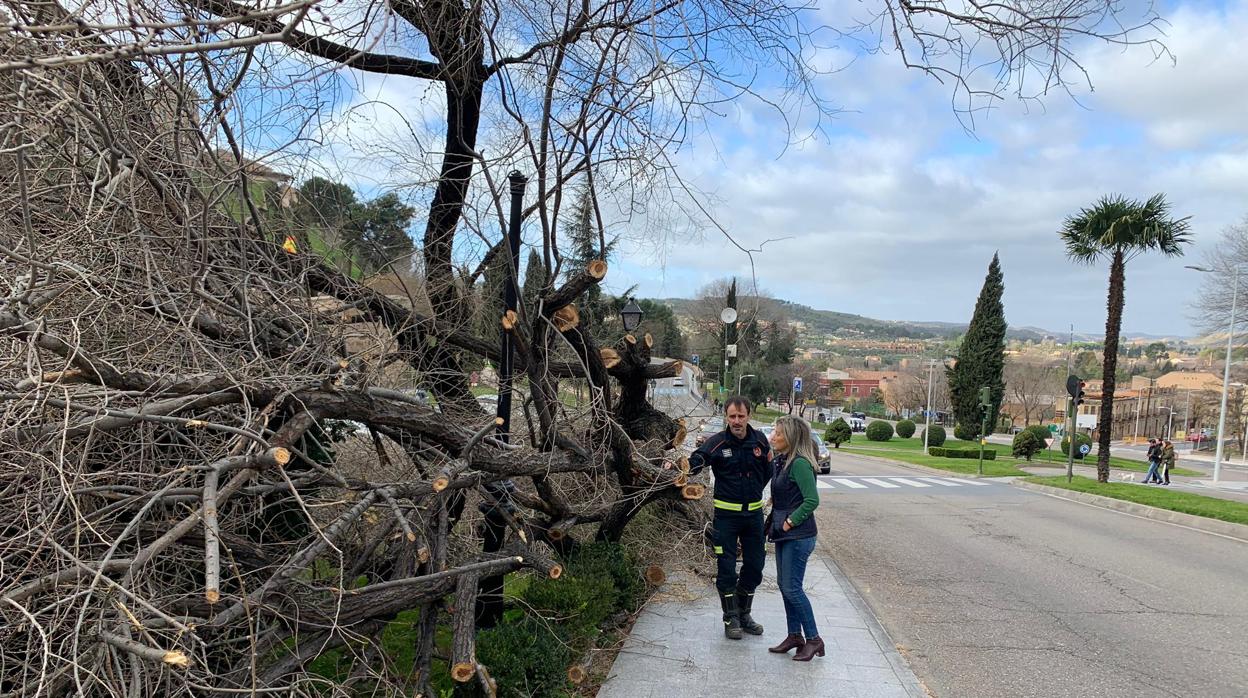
{"x":489,"y":609}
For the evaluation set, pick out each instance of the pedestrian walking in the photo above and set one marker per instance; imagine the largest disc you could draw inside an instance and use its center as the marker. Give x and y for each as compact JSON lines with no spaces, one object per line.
{"x":1167,"y":461}
{"x":794,"y":497}
{"x":1154,"y":462}
{"x":739,"y":457}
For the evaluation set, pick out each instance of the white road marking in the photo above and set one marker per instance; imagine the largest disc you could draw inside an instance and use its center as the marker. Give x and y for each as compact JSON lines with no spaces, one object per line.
{"x":912,"y":483}
{"x":939,"y":481}
{"x":824,"y":485}
{"x":850,"y":483}
{"x":880,"y":483}
{"x":969,"y":481}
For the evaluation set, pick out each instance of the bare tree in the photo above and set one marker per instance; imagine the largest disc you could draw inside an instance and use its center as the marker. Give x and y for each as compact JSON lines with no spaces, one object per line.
{"x":212,"y":471}
{"x":1213,"y":308}
{"x":1033,"y":387}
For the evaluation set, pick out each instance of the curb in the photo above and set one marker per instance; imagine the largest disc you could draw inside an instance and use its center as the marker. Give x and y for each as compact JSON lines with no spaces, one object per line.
{"x":1223,"y":528}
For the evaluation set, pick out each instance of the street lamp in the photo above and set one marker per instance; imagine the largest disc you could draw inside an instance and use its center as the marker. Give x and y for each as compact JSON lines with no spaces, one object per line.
{"x":927,"y":425}
{"x":631,"y":315}
{"x":1169,"y":419}
{"x":741,"y":378}
{"x":729,"y":317}
{"x":1226,"y":371}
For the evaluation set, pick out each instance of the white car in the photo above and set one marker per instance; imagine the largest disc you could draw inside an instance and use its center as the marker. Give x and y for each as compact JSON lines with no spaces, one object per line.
{"x":678,"y":382}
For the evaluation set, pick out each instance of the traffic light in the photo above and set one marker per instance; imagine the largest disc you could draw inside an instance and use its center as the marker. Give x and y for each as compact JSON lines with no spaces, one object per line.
{"x":985,"y":396}
{"x":1074,"y":387}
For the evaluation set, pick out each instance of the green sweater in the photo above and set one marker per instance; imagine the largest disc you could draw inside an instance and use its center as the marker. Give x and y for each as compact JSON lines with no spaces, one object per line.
{"x":803,"y":474}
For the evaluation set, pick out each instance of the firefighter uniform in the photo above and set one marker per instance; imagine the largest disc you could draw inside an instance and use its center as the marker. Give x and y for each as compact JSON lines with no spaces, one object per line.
{"x":742,"y":469}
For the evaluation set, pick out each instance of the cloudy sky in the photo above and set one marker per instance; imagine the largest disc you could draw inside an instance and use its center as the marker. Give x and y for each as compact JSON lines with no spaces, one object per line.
{"x":896,"y":210}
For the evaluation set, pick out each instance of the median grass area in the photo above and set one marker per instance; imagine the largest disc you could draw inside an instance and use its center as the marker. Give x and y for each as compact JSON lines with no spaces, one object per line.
{"x":766,"y":414}
{"x":911,"y":451}
{"x":1160,"y":497}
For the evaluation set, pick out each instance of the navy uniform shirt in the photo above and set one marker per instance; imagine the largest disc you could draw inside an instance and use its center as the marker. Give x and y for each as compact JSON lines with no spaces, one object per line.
{"x":742,"y":467}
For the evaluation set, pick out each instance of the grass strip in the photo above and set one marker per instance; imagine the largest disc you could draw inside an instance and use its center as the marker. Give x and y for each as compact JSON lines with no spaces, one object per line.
{"x":1154,"y":496}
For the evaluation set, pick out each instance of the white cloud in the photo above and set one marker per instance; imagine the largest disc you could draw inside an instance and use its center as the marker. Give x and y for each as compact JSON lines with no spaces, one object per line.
{"x":899,"y":211}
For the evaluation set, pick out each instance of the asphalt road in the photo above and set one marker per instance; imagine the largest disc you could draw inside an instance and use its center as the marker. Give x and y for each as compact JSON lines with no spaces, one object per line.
{"x":1013,"y":593}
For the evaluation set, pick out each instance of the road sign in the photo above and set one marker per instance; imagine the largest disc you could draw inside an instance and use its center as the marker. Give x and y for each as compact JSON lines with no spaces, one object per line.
{"x":797,"y":384}
{"x":732,"y":351}
{"x":695,"y":359}
{"x":1085,"y":448}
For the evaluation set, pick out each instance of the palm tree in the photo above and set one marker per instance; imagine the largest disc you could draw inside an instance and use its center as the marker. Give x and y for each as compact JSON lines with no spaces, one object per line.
{"x":1119,"y":229}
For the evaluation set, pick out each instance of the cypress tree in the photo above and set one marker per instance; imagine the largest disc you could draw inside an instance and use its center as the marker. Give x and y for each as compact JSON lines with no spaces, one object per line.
{"x":981,"y":358}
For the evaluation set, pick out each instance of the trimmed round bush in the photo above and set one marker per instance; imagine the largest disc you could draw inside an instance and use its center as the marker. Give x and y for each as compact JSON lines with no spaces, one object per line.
{"x":905,"y":428}
{"x":1042,"y":432}
{"x":1027,"y":444}
{"x":935,"y":436}
{"x":1080,"y":439}
{"x":879,"y":431}
{"x":838,"y":432}
{"x":966,"y":432}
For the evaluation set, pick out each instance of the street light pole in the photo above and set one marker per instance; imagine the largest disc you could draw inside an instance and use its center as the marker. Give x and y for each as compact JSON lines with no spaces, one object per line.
{"x":741,"y":378}
{"x":927,"y":425}
{"x":1226,"y":373}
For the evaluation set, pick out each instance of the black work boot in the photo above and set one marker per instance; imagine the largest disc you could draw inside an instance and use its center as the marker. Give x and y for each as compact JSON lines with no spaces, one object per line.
{"x":745,"y":600}
{"x":732,"y":623}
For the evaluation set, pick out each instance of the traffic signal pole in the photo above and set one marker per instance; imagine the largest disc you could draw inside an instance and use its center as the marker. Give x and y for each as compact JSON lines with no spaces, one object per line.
{"x":1074,"y":388}
{"x":985,"y":401}
{"x":1070,"y":434}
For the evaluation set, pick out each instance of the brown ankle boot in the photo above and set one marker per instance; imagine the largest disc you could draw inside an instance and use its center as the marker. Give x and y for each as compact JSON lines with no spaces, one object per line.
{"x":812,"y":647}
{"x":788,"y":643}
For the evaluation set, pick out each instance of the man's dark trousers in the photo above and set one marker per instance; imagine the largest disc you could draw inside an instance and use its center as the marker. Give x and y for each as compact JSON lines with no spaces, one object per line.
{"x":729,"y":527}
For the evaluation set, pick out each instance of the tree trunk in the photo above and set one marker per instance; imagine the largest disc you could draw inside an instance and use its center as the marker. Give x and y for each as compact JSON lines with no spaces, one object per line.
{"x":1113,"y":323}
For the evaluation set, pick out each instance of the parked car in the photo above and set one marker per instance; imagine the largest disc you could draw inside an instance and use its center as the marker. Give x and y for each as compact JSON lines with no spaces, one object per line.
{"x":825,"y":457}
{"x":711,"y":426}
{"x":856,"y":424}
{"x":678,"y":382}
{"x":1205,"y":434}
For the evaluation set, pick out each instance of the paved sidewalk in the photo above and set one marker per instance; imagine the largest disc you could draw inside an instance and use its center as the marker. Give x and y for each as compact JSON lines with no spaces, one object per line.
{"x":677,"y":647}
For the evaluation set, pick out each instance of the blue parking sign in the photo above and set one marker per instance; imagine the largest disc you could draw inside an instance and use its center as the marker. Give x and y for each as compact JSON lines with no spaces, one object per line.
{"x":695,"y":358}
{"x":797,"y":384}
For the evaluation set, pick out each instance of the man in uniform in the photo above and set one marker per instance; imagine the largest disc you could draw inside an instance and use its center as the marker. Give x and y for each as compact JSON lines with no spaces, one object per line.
{"x":739,"y":459}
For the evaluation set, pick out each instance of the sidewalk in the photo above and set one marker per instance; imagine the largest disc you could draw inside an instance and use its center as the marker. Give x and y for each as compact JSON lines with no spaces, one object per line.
{"x":677,"y":647}
{"x":1233,"y":485}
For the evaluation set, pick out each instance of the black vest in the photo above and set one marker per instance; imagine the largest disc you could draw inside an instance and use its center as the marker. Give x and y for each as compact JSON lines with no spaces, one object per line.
{"x":786,"y":497}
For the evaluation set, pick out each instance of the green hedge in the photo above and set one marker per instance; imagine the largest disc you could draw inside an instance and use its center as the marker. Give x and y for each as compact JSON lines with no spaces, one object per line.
{"x":960,"y":453}
{"x":1080,"y":439}
{"x":530,"y":651}
{"x":905,"y":428}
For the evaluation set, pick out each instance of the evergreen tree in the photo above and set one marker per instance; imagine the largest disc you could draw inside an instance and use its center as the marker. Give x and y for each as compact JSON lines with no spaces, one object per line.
{"x":534,"y":282}
{"x":585,"y":247}
{"x":981,"y":358}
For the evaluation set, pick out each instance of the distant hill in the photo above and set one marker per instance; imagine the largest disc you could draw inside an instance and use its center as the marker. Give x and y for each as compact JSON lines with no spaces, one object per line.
{"x":851,"y":325}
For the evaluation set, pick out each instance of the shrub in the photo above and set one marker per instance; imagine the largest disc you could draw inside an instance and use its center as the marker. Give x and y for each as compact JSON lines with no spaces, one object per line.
{"x":838,"y":432}
{"x":613,"y":564}
{"x":525,"y":656}
{"x":1080,"y":439}
{"x":935,"y":436}
{"x":905,"y":428}
{"x":1042,"y":432}
{"x":960,"y":453}
{"x":879,"y":431}
{"x":577,"y":602}
{"x":1026,"y":444}
{"x":966,"y":432}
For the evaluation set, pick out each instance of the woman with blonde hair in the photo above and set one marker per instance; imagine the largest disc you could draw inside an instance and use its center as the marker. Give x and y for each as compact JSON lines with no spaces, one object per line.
{"x":794,"y":497}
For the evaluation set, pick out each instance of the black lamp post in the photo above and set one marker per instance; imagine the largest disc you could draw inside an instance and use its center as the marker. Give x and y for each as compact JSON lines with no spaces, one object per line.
{"x":631,"y":315}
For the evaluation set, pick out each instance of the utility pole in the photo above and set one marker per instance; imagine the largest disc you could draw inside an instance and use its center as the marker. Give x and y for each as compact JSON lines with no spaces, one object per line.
{"x":927,"y":426}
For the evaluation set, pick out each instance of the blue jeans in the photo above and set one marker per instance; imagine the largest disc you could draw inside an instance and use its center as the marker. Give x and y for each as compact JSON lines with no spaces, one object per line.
{"x":791,"y":557}
{"x":1152,"y":472}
